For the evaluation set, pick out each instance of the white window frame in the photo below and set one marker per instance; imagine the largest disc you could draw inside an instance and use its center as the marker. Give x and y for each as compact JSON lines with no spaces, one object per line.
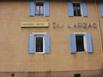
{"x":41,"y":34}
{"x":84,"y":38}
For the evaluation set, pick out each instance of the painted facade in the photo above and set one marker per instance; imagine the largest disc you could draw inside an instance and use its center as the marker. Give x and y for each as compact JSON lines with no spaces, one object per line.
{"x":15,"y":59}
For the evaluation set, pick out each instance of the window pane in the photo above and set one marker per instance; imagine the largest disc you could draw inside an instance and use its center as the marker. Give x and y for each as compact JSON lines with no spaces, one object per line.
{"x":39,"y":44}
{"x":39,"y":9}
{"x":77,"y":10}
{"x":77,"y":75}
{"x":80,"y":42}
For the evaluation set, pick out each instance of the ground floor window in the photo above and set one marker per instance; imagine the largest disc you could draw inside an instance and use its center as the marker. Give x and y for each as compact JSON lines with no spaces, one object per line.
{"x":39,"y":43}
{"x":77,"y":75}
{"x":80,"y":43}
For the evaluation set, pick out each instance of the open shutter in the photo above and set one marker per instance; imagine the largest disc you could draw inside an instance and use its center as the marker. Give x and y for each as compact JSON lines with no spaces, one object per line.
{"x":47,"y":43}
{"x":32,"y":8}
{"x":31,"y":43}
{"x":73,"y":43}
{"x":47,"y":8}
{"x":70,"y":8}
{"x":89,"y":43}
{"x":84,"y":8}
{"x":101,"y":8}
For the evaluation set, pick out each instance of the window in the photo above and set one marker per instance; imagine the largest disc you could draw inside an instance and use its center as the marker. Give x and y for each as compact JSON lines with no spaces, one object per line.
{"x":12,"y":75}
{"x":39,"y":43}
{"x":77,"y":9}
{"x":77,"y":75}
{"x":101,"y":7}
{"x":39,"y":8}
{"x":80,"y":42}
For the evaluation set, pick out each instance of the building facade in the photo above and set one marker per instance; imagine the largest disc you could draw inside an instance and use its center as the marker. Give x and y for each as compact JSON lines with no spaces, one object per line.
{"x":56,"y":38}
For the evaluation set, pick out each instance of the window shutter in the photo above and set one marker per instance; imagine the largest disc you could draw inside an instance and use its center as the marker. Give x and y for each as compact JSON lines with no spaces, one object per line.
{"x":32,"y":8}
{"x":101,"y":8}
{"x":73,"y":43}
{"x":46,"y":8}
{"x":89,"y":43}
{"x":31,"y":43}
{"x":70,"y":8}
{"x":47,"y":43}
{"x":84,"y":8}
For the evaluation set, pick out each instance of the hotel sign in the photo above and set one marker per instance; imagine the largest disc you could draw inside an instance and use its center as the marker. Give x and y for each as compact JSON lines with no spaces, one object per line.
{"x":82,"y":25}
{"x":34,"y":24}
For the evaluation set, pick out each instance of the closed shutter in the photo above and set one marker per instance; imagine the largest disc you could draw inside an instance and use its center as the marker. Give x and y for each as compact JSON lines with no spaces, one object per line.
{"x":47,"y":8}
{"x":32,"y":8}
{"x":84,"y":8}
{"x":70,"y":8}
{"x":73,"y":43}
{"x":47,"y":43}
{"x":89,"y":43}
{"x":31,"y":43}
{"x":101,"y":8}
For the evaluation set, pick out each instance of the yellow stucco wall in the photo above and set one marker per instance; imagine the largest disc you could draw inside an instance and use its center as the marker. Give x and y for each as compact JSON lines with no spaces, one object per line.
{"x":14,"y":39}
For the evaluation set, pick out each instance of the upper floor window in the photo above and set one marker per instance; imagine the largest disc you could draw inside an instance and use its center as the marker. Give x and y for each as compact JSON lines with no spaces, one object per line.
{"x":77,"y":9}
{"x":39,"y":9}
{"x":101,"y":7}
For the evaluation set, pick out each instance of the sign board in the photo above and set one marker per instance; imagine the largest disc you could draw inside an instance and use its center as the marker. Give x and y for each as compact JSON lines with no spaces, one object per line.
{"x":34,"y":24}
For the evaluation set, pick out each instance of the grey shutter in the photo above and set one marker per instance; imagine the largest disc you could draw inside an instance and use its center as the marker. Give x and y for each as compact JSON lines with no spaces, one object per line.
{"x":84,"y":8}
{"x":47,"y":43}
{"x":70,"y":8}
{"x":32,"y":8}
{"x":31,"y":43}
{"x":46,"y":8}
{"x":73,"y":43}
{"x":89,"y":43}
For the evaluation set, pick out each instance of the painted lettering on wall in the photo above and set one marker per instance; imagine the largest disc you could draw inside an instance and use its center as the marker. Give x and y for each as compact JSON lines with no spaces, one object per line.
{"x":75,"y":26}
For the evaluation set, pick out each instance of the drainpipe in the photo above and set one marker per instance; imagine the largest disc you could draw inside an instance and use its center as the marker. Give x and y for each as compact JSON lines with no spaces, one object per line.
{"x":100,"y":28}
